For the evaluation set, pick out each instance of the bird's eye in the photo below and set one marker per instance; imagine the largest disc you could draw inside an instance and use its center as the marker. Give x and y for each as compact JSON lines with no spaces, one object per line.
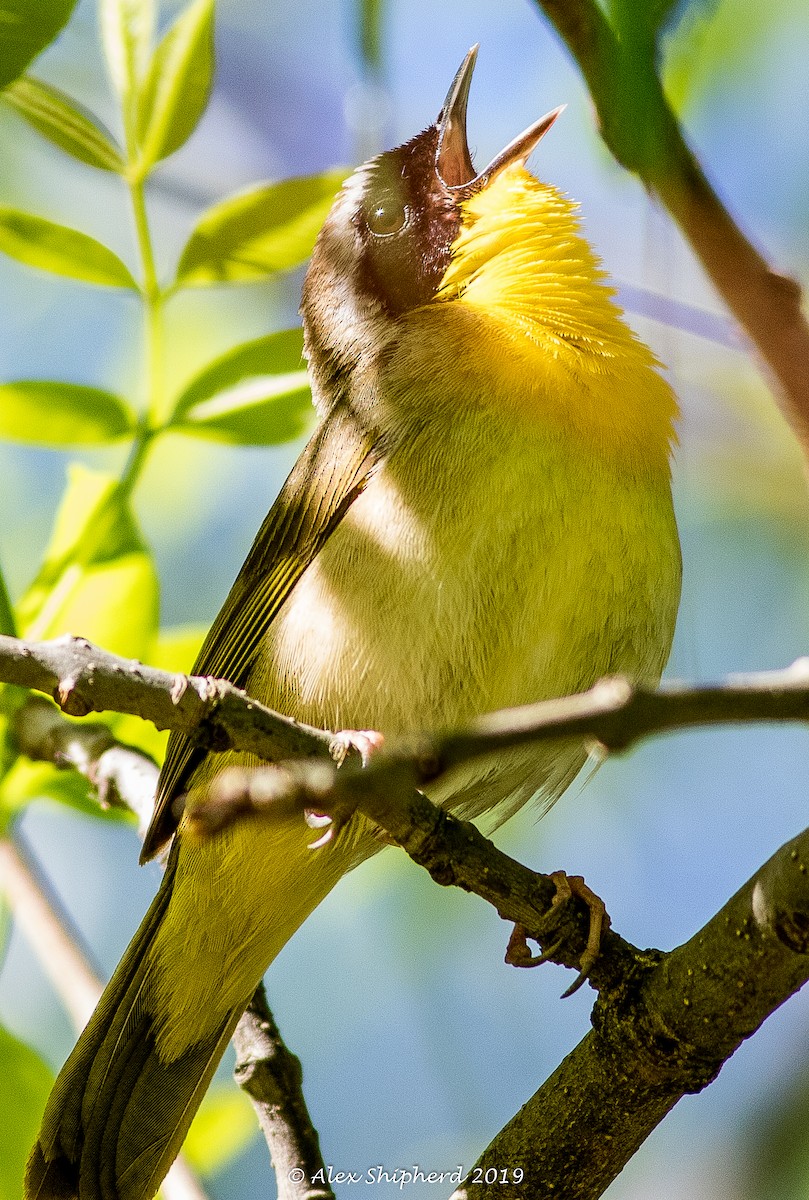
{"x":386,"y":216}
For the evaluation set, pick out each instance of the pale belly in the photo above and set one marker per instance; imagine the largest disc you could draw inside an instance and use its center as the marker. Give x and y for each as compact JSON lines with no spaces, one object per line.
{"x":422,"y":619}
{"x":416,"y":617}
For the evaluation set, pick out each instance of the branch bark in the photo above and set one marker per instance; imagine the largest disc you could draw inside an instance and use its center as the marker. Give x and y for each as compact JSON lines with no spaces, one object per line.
{"x":122,"y":776}
{"x":642,"y":132}
{"x":273,"y":1079}
{"x":616,"y":714}
{"x":666,"y":1033}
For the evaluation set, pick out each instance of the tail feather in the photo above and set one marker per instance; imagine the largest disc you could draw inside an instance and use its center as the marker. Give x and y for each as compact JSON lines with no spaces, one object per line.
{"x":118,"y":1114}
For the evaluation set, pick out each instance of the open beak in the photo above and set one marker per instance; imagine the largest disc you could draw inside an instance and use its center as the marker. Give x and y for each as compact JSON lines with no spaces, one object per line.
{"x":453,"y":160}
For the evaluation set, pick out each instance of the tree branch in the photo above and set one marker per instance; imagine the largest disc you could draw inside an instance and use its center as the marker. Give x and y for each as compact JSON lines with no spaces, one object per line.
{"x":666,"y":1033}
{"x":123,"y":776}
{"x":273,"y":1079}
{"x":640,"y":129}
{"x":454,"y":853}
{"x":81,"y":678}
{"x":656,"y":1018}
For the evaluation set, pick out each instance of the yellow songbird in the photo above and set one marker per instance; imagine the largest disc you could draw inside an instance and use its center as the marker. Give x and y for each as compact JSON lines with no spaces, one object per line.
{"x":482,"y":518}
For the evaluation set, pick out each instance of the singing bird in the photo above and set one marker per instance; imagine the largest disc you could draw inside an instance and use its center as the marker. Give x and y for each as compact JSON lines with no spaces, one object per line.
{"x":482,"y":518}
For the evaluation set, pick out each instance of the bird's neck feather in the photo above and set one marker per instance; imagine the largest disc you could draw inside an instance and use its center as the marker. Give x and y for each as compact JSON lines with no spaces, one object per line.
{"x":544,"y":317}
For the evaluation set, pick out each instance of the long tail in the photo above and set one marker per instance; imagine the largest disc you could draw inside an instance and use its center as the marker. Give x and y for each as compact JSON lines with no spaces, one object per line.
{"x":118,"y":1115}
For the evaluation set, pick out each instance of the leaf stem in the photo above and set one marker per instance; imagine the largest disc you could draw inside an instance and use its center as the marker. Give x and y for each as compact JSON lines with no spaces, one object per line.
{"x":150,"y":284}
{"x":153,"y":302}
{"x":136,"y":460}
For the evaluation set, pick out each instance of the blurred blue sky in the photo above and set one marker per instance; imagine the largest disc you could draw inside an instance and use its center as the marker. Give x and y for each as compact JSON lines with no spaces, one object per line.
{"x":417,"y":1042}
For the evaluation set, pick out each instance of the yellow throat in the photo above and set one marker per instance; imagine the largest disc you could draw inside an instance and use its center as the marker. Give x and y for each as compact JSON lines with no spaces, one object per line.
{"x":521,"y":263}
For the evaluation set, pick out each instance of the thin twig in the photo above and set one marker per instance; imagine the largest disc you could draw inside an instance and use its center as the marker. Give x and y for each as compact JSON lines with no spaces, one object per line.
{"x":273,"y":1079}
{"x":122,"y":776}
{"x":454,"y":853}
{"x":82,"y":678}
{"x":49,"y":931}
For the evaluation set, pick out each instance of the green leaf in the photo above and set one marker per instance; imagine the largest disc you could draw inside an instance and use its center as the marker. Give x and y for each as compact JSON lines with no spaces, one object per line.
{"x":177,"y":647}
{"x":26,"y":28}
{"x":257,"y":394}
{"x":50,"y":413}
{"x":178,"y":85}
{"x":249,"y":236}
{"x":716,"y":43}
{"x":63,"y":122}
{"x":61,"y":250}
{"x":127,"y":29}
{"x":25,"y":1082}
{"x":98,"y":578}
{"x":274,"y":354}
{"x":224,"y":1126}
{"x":261,"y":413}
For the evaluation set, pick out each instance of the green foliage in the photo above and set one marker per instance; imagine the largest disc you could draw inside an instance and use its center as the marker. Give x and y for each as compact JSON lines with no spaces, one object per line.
{"x":27,"y":781}
{"x":65,"y":123}
{"x":28,"y":26}
{"x":98,"y":577}
{"x":51,"y":247}
{"x":256,"y":394}
{"x":24,"y":1085}
{"x":716,"y":42}
{"x":178,"y":85}
{"x":8,"y":625}
{"x":269,"y":228}
{"x":46,"y":412}
{"x":369,"y":21}
{"x":127,"y":29}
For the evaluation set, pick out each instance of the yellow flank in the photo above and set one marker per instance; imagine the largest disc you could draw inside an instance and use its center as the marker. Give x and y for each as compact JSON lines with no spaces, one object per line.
{"x":521,"y":263}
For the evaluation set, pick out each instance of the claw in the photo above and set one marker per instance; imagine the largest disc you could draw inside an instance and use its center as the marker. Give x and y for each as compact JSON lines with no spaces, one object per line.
{"x":518,"y":954}
{"x":567,"y":886}
{"x":363,"y":741}
{"x":331,"y":826}
{"x":359,"y":741}
{"x":318,"y":820}
{"x":574,"y":885}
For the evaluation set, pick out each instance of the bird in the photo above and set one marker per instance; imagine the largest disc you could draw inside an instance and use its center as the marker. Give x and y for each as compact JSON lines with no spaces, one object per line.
{"x":481,"y":518}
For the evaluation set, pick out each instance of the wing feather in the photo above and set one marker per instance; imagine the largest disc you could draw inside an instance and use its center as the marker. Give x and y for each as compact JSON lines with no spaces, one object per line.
{"x":330,"y":473}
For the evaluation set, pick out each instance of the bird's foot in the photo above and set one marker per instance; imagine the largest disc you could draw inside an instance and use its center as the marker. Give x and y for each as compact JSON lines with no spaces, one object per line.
{"x":364,"y":742}
{"x":518,"y":953}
